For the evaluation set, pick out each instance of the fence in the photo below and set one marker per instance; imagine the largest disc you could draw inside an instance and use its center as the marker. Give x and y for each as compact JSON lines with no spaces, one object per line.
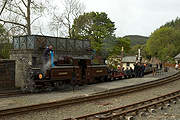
{"x":169,"y":65}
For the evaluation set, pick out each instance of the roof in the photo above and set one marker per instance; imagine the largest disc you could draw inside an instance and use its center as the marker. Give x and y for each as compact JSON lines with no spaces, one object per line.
{"x":130,"y":59}
{"x":177,"y":56}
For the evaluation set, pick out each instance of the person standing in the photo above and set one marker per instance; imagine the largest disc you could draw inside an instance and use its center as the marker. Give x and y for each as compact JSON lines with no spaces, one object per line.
{"x":139,"y":70}
{"x":160,"y":65}
{"x":176,"y":66}
{"x":47,"y":56}
{"x":135,"y":70}
{"x":47,"y":53}
{"x":142,"y":70}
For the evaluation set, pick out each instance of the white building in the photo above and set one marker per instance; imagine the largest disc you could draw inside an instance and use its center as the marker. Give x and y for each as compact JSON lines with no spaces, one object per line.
{"x":128,"y":61}
{"x":177,"y":58}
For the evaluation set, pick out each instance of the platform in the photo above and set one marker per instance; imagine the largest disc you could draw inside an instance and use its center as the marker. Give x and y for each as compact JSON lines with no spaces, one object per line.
{"x":11,"y":102}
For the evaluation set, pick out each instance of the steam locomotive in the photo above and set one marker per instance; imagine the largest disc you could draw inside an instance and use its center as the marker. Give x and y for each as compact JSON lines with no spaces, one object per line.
{"x":62,"y":73}
{"x":78,"y":72}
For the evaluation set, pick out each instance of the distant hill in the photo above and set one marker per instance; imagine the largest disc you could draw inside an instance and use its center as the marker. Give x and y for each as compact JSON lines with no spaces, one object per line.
{"x":137,"y":39}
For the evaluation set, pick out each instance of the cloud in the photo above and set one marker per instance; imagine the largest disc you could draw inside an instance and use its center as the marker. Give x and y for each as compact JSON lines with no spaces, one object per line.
{"x":136,"y":16}
{"x":131,"y":17}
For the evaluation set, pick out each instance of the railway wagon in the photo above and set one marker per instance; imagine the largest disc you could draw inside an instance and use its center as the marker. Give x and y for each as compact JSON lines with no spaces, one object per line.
{"x":116,"y":75}
{"x":96,"y":73}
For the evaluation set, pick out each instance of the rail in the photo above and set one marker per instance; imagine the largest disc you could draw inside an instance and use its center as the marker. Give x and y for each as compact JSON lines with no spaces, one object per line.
{"x":123,"y":111}
{"x":78,"y":100}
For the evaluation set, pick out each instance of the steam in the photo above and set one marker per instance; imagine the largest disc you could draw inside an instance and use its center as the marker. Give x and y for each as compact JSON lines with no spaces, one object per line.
{"x":46,"y":66}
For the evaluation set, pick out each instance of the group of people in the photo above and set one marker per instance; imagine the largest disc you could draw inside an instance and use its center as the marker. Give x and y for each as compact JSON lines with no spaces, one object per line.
{"x":139,"y":69}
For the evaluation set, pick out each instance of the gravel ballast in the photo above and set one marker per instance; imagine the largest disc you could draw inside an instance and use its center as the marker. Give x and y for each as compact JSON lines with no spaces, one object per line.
{"x":100,"y":105}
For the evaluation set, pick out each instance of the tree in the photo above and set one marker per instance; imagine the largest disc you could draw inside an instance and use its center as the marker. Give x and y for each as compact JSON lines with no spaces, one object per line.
{"x":5,"y":45}
{"x":93,"y":26}
{"x":113,"y":46}
{"x":174,"y":24}
{"x":63,"y":22}
{"x":164,"y":43}
{"x":121,"y":42}
{"x":18,"y":13}
{"x":3,"y":5}
{"x":3,"y":35}
{"x":144,"y":52}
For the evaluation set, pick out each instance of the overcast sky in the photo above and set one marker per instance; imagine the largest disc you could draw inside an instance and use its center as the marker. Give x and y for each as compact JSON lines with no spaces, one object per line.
{"x":131,"y":17}
{"x":136,"y":17}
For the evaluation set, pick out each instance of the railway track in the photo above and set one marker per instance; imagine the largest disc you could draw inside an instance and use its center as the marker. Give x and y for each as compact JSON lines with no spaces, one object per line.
{"x":105,"y":94}
{"x":140,"y":107}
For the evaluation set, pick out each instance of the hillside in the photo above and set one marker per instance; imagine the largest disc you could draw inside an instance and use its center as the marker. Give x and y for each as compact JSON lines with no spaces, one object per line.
{"x":137,"y":39}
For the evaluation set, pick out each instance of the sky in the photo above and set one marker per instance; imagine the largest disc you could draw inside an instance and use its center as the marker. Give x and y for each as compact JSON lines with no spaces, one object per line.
{"x":131,"y":17}
{"x":136,"y":17}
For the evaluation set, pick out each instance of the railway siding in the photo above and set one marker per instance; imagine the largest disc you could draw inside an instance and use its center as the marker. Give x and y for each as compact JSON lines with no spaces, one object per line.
{"x":87,"y":90}
{"x":90,"y":107}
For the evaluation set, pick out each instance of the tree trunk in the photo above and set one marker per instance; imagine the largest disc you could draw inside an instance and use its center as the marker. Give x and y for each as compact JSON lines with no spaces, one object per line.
{"x":28,"y":18}
{"x":69,"y":31}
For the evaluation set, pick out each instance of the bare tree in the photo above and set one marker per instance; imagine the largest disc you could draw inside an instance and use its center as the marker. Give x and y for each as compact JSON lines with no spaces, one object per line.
{"x":18,"y":13}
{"x":56,"y":25}
{"x":3,"y":5}
{"x":72,"y":9}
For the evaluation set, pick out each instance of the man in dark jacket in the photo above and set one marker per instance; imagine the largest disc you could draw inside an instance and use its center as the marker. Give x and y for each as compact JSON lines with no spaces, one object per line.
{"x":142,"y":70}
{"x":135,"y":70}
{"x":47,"y":54}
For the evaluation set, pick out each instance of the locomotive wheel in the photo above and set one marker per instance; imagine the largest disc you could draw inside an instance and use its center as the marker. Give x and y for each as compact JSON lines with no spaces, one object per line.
{"x":102,"y":78}
{"x":105,"y":78}
{"x":57,"y":85}
{"x":120,"y":78}
{"x":112,"y":79}
{"x":125,"y":76}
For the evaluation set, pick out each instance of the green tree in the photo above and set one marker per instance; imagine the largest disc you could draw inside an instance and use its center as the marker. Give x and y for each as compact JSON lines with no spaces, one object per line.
{"x":4,"y":43}
{"x":164,"y":43}
{"x":3,"y":34}
{"x":121,"y":42}
{"x":134,"y":49}
{"x":93,"y":26}
{"x":144,"y":52}
{"x":174,"y":24}
{"x":113,"y":46}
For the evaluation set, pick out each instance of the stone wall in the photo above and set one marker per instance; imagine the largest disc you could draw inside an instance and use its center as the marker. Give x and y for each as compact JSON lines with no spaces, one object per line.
{"x":23,"y":59}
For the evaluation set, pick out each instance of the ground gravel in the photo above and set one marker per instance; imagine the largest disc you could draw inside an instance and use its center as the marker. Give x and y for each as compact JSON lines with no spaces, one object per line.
{"x":170,"y":113}
{"x":73,"y":111}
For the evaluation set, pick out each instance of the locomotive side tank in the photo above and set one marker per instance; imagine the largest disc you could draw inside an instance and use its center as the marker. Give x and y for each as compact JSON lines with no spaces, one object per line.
{"x":57,"y":75}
